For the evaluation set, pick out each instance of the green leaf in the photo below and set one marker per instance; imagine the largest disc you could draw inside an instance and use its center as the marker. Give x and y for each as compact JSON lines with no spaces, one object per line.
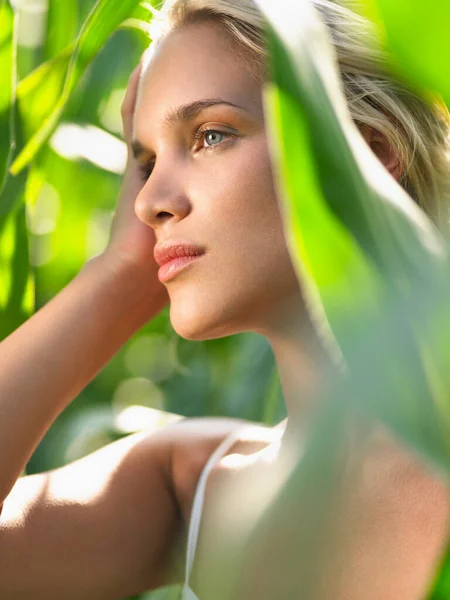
{"x":53,"y":83}
{"x":357,"y":191}
{"x":426,"y":61}
{"x":373,"y":263}
{"x":7,"y":85}
{"x":16,"y":281}
{"x":39,"y":91}
{"x":375,"y":266}
{"x":362,"y":247}
{"x":62,"y":26}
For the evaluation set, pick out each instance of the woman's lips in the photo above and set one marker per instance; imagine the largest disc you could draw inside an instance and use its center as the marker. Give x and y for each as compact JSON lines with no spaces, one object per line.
{"x":170,"y":269}
{"x":173,"y":257}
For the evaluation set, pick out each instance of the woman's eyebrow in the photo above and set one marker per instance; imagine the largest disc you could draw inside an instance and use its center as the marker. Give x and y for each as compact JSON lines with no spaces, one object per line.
{"x":187,"y":112}
{"x":184,"y":113}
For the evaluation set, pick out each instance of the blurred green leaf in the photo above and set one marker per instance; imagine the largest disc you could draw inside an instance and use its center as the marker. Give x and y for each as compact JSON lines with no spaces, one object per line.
{"x":426,"y":61}
{"x":54,"y":83}
{"x":141,"y":18}
{"x":362,"y":247}
{"x":273,"y":401}
{"x":145,"y":11}
{"x":7,"y":85}
{"x":16,"y":283}
{"x":285,"y":555}
{"x":39,"y":91}
{"x":62,"y":26}
{"x":376,"y":270}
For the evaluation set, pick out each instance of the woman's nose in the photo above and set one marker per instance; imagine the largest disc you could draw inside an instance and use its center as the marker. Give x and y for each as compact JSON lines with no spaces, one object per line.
{"x":161,"y":201}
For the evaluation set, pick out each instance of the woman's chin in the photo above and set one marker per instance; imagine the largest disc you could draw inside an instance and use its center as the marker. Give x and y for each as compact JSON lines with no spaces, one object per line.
{"x":200,"y":324}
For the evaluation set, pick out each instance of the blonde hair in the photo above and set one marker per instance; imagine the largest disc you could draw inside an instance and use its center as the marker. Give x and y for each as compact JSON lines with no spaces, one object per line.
{"x":417,"y":129}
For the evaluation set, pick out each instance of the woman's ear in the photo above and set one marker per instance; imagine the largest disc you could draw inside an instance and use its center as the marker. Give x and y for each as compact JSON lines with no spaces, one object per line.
{"x":382,"y":150}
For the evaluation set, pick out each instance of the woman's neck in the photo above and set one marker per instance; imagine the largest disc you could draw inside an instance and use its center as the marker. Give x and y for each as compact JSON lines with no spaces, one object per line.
{"x":303,"y":363}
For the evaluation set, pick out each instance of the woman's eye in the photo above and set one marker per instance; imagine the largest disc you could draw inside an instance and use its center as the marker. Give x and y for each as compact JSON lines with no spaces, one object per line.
{"x":213,"y":138}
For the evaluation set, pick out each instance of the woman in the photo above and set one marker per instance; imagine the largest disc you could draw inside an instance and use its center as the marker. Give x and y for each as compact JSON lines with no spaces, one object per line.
{"x":197,"y":222}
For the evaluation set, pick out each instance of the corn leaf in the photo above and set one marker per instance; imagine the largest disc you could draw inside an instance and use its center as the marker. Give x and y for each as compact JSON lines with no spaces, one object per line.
{"x":16,"y":281}
{"x":425,"y":62}
{"x":376,"y":272}
{"x":362,"y":247}
{"x":49,"y":87}
{"x":62,"y":26}
{"x":7,"y":89}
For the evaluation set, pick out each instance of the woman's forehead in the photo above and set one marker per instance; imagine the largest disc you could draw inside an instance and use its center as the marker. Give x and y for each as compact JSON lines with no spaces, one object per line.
{"x":195,"y":63}
{"x":196,"y":54}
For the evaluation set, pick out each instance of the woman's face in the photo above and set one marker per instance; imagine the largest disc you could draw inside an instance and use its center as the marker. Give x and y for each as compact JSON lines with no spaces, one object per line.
{"x":212,"y":189}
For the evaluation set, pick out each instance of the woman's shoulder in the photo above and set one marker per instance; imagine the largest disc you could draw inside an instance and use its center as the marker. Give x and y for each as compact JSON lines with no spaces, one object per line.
{"x":196,"y":439}
{"x":395,"y":488}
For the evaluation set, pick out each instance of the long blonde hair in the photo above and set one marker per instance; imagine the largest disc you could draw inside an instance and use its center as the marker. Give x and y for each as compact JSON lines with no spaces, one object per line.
{"x":418,"y":130}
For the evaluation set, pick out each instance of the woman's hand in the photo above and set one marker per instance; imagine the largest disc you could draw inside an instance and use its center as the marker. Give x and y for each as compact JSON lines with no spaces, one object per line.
{"x":131,"y":243}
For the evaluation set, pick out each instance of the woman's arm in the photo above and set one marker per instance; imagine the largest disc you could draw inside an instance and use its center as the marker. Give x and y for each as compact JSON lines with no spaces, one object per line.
{"x":47,"y":361}
{"x":102,"y":527}
{"x":108,"y":525}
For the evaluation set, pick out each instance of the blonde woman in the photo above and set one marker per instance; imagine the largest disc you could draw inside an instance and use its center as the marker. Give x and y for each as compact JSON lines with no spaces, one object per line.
{"x":198,"y":223}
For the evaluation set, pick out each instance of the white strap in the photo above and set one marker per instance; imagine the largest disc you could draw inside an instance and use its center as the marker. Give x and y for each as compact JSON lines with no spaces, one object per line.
{"x":197,"y":507}
{"x":188,"y":594}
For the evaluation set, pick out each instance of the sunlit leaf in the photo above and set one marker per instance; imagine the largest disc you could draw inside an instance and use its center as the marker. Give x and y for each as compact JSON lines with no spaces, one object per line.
{"x":16,"y":282}
{"x":138,"y":25}
{"x":374,"y":265}
{"x":62,"y":26}
{"x":39,"y":91}
{"x":145,"y":11}
{"x":376,"y":271}
{"x":53,"y":85}
{"x":426,"y":61}
{"x":361,"y":245}
{"x":7,"y":87}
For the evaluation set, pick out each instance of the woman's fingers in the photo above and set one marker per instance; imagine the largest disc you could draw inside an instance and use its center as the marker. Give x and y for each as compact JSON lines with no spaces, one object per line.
{"x":129,"y":102}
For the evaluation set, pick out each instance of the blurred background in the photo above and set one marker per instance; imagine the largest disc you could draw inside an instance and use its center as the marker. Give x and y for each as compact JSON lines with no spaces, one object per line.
{"x":70,"y":195}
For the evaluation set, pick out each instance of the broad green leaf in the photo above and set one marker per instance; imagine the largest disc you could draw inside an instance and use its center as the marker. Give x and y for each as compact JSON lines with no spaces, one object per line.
{"x":285,"y":555}
{"x":361,"y":245}
{"x":138,"y":25}
{"x":53,"y":84}
{"x":62,"y":26}
{"x":426,"y":61}
{"x":141,"y":18}
{"x":7,"y":85}
{"x":145,"y":11}
{"x":352,"y":229}
{"x":39,"y":91}
{"x":16,"y":281}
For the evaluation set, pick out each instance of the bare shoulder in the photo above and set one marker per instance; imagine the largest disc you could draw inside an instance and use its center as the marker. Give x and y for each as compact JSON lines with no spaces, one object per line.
{"x":389,"y":464}
{"x":384,"y":522}
{"x":194,"y":440}
{"x":396,"y":518}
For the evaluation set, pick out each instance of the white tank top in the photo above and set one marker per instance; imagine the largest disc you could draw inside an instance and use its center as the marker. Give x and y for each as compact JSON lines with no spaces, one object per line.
{"x":197,"y":508}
